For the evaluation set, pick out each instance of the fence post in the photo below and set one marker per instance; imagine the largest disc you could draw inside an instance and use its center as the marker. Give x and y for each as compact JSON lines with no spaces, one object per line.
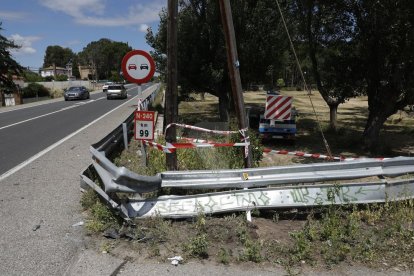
{"x":125,"y":132}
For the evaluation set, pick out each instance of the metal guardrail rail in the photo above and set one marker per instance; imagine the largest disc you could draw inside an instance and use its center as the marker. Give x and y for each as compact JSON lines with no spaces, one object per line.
{"x":271,"y":198}
{"x":271,"y":187}
{"x":120,"y":179}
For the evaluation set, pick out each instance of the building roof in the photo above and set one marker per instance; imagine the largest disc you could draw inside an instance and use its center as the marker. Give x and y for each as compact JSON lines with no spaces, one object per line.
{"x":51,"y":68}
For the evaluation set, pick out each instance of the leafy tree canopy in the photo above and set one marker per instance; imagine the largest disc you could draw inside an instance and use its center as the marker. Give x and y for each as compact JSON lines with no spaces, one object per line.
{"x":57,"y":55}
{"x":8,"y":66}
{"x":201,"y":49}
{"x":105,"y":56}
{"x":363,"y":46}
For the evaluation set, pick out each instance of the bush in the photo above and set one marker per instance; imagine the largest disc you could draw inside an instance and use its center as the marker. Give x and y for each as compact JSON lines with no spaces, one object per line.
{"x":32,"y":77}
{"x":35,"y":89}
{"x":281,"y":82}
{"x":56,"y":93}
{"x":61,"y":78}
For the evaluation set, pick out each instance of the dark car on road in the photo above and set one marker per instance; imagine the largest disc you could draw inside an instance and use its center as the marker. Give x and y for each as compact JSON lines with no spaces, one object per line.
{"x":76,"y":92}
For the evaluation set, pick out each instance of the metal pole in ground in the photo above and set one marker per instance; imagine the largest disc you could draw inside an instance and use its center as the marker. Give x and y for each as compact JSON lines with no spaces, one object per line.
{"x":171,"y":107}
{"x":139,"y":107}
{"x":125,"y":132}
{"x":233,"y":65}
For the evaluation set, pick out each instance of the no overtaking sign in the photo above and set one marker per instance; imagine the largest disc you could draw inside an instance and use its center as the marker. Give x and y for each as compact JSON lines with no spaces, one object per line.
{"x":138,"y":66}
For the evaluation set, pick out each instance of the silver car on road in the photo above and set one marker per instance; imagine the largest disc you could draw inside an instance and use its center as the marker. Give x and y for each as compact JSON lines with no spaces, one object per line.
{"x":116,"y":91}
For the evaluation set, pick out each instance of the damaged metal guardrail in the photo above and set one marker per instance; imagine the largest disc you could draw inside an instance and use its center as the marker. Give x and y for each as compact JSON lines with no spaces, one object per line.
{"x":271,"y":187}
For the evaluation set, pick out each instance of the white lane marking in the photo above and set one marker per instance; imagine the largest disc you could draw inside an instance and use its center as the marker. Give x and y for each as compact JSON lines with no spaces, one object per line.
{"x":47,"y":114}
{"x":51,"y":147}
{"x":48,"y":102}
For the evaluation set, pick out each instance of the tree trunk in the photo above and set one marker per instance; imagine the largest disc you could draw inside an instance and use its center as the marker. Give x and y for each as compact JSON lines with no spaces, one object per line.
{"x":372,"y":130}
{"x":224,"y":106}
{"x":333,"y":111}
{"x":2,"y":100}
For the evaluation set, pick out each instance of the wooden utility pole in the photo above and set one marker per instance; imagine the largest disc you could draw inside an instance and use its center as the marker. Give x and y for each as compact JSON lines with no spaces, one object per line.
{"x":233,"y":64}
{"x":171,"y":107}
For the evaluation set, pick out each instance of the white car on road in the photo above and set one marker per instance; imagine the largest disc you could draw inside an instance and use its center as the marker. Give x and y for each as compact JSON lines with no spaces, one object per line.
{"x":116,"y":91}
{"x":105,"y":86}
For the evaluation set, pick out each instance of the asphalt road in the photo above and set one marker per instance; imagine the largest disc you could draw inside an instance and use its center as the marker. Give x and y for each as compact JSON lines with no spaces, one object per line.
{"x":39,"y":203}
{"x":27,"y":131}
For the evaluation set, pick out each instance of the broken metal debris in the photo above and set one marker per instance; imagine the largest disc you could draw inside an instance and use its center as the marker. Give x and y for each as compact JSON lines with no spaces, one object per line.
{"x":80,"y":223}
{"x":176,"y":260}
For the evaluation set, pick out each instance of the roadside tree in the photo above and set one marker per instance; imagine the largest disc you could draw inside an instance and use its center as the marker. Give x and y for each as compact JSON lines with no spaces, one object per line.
{"x":327,"y":30}
{"x":202,"y":63}
{"x":385,"y":37}
{"x":58,"y":56}
{"x":8,"y":66}
{"x":360,"y":47}
{"x":105,"y":56}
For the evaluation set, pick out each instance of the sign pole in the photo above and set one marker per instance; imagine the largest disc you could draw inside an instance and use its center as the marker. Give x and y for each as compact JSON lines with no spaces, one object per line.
{"x":139,"y":97}
{"x":143,"y":149}
{"x":139,"y":67}
{"x":144,"y":154}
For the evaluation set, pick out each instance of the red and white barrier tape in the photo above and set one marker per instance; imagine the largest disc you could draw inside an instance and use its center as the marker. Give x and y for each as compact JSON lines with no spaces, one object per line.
{"x":171,"y":147}
{"x":158,"y":146}
{"x":243,"y":133}
{"x":198,"y":143}
{"x":195,"y":140}
{"x":204,"y":145}
{"x":222,"y":132}
{"x":302,"y":154}
{"x":317,"y":155}
{"x":286,"y":152}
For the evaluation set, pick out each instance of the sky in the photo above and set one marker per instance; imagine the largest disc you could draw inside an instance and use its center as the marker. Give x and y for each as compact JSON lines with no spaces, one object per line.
{"x":36,"y":24}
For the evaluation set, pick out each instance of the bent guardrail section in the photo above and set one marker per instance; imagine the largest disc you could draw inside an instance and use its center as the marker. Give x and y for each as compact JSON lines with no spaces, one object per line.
{"x":271,"y":187}
{"x":270,"y":198}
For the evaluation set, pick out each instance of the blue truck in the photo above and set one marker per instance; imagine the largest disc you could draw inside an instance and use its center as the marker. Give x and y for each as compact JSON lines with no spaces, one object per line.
{"x":279,"y":118}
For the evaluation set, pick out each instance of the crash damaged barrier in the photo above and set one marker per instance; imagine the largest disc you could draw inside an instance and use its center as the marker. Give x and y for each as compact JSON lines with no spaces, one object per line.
{"x":270,"y":198}
{"x":242,"y":189}
{"x":282,"y":189}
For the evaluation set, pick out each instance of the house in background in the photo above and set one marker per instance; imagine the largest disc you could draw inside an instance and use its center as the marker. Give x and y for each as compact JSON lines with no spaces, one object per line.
{"x":54,"y":71}
{"x":86,"y":72}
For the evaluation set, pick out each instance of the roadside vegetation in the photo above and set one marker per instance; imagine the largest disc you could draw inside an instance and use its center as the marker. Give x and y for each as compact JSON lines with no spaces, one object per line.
{"x":380,"y":236}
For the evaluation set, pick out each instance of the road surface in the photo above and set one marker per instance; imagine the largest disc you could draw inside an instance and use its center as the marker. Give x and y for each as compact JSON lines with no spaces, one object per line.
{"x":27,"y":131}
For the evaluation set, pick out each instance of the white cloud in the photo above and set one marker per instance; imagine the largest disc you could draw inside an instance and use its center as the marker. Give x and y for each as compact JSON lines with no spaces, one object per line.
{"x":9,"y":15}
{"x":73,"y":42}
{"x":25,"y":42}
{"x":143,"y":28}
{"x":75,"y":8}
{"x":92,"y":12}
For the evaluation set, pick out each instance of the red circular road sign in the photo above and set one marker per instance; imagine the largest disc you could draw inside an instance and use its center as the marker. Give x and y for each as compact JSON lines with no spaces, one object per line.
{"x":138,"y":66}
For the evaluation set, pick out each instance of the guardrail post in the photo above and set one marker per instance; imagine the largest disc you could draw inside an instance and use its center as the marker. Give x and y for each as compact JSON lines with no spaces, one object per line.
{"x":125,"y":132}
{"x":144,"y":154}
